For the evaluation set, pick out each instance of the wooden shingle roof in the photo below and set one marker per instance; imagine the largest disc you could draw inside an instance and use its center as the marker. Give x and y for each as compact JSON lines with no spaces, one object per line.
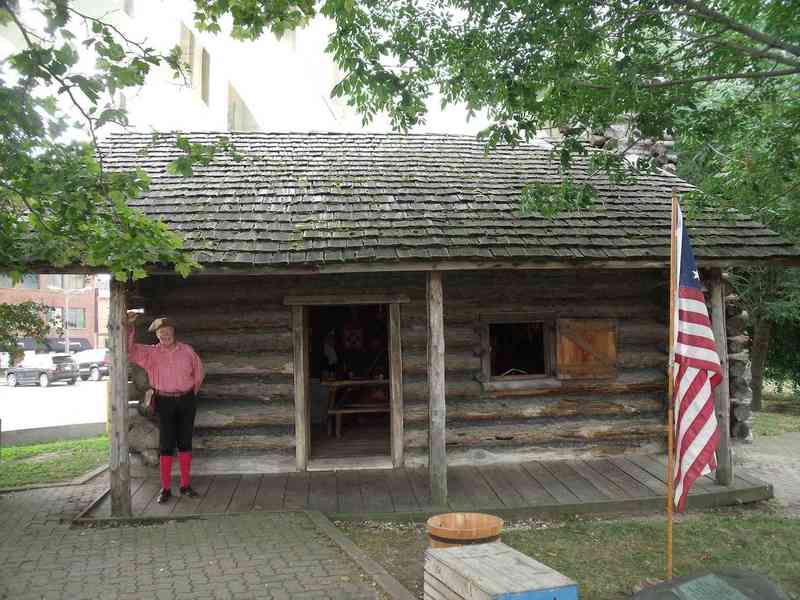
{"x":320,"y":199}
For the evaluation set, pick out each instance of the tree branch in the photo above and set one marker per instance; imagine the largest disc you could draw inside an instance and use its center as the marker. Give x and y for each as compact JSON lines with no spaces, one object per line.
{"x":718,"y":17}
{"x":708,"y":78}
{"x":785,"y":193}
{"x":28,"y":205}
{"x":692,"y":42}
{"x":141,"y":48}
{"x":728,"y":25}
{"x":89,"y":121}
{"x":753,"y":52}
{"x":704,"y":79}
{"x":64,"y":85}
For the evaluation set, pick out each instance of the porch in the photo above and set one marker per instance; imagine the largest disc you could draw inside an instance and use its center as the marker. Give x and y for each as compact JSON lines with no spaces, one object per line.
{"x":614,"y":484}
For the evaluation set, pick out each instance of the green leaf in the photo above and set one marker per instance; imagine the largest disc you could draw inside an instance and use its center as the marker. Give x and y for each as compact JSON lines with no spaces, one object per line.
{"x":550,"y":200}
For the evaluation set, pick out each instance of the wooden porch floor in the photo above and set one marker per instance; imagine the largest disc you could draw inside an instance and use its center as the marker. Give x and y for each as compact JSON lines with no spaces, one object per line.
{"x":535,"y":488}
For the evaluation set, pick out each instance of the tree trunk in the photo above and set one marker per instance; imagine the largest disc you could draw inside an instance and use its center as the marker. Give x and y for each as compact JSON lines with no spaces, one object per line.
{"x":758,"y":358}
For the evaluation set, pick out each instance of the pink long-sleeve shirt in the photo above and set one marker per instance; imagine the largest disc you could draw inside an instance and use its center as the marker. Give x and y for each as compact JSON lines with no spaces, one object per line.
{"x":178,"y":369}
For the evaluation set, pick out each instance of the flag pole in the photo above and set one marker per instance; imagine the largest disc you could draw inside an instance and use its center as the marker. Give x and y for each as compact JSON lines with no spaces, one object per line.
{"x":670,"y":383}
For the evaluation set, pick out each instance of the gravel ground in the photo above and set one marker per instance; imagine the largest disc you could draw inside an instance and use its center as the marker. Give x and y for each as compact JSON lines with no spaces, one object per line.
{"x":775,"y":459}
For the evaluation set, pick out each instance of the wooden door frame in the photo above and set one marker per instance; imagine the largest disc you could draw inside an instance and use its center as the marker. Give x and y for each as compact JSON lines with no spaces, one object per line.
{"x":302,"y":379}
{"x":302,"y":387}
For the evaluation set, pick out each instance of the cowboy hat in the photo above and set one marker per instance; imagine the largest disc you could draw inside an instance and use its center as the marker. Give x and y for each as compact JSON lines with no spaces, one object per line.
{"x":161,"y":322}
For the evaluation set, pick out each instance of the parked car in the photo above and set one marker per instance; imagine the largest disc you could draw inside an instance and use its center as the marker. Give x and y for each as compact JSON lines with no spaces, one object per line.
{"x":43,"y":369}
{"x":93,"y":364}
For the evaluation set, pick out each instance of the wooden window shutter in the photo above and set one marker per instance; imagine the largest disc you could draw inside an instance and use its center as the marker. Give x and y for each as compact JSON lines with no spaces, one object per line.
{"x":586,"y":348}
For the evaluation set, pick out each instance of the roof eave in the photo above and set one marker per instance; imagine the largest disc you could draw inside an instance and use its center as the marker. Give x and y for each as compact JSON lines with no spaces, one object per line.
{"x":471,"y":265}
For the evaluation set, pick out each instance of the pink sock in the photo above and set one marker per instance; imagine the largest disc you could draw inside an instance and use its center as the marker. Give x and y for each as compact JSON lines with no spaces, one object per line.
{"x":185,"y":460}
{"x":166,"y":471}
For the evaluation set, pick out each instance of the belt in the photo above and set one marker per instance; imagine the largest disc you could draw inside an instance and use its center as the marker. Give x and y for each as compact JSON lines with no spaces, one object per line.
{"x":173,"y":394}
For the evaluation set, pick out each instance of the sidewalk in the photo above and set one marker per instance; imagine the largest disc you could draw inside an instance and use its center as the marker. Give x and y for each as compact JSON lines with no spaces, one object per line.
{"x":258,"y":555}
{"x":775,"y":459}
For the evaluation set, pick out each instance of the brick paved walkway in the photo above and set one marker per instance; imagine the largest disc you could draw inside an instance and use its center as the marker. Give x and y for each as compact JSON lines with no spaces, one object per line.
{"x":259,"y":555}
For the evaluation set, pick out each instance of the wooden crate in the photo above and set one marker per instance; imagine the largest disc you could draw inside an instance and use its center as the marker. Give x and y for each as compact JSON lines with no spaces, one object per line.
{"x":492,"y":572}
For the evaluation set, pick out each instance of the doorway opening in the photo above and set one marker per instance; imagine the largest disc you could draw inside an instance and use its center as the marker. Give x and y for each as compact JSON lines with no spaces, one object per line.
{"x":349,"y":372}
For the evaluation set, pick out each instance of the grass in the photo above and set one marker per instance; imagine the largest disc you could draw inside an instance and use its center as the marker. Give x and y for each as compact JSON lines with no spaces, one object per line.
{"x":780,"y":413}
{"x":608,"y":558}
{"x":51,"y":462}
{"x":634,"y":550}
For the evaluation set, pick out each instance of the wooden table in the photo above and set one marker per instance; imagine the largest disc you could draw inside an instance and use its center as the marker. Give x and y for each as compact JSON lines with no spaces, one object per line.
{"x":336,"y":411}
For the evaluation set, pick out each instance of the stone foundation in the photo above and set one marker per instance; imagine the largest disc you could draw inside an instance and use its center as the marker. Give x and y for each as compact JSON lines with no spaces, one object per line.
{"x":142,"y":430}
{"x":739,"y":371}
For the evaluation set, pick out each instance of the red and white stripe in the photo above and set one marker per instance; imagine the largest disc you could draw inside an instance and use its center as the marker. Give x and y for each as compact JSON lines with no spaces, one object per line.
{"x":697,"y":372}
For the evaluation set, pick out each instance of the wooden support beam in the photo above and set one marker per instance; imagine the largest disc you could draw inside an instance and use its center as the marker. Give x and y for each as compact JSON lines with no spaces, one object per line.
{"x":514,"y":263}
{"x":722,"y":391}
{"x":396,"y":384}
{"x":437,"y":456}
{"x":119,"y":463}
{"x":344,"y":299}
{"x":301,"y":386}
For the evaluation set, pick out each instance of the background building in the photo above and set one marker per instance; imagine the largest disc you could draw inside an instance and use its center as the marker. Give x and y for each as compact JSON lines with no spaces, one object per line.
{"x":103,"y":306}
{"x":72,"y":302}
{"x":269,"y":84}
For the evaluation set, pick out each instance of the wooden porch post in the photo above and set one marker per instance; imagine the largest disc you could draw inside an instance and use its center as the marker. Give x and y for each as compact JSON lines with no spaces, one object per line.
{"x":301,"y":382}
{"x":722,"y":391}
{"x":396,"y":384}
{"x":119,"y":463}
{"x":437,"y":453}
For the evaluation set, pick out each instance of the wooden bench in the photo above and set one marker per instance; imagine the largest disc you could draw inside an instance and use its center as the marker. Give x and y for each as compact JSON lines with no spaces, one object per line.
{"x":353,"y":410}
{"x":335,"y":411}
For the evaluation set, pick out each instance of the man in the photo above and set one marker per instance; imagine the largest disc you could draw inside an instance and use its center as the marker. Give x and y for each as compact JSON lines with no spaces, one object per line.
{"x":176,"y":374}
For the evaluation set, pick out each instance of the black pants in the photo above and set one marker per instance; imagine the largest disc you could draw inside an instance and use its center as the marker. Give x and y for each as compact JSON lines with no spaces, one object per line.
{"x":176,"y":420}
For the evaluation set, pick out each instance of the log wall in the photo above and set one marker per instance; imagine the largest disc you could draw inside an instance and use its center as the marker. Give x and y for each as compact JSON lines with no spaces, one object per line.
{"x":243,"y":332}
{"x":543,"y":419}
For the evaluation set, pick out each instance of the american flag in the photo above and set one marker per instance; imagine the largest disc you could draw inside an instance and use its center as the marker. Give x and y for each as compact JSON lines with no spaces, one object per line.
{"x":696,"y":371}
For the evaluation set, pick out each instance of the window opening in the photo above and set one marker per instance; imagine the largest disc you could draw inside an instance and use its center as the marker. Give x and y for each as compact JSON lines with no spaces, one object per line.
{"x":187,"y":50}
{"x":76,"y":318}
{"x":74,"y":282}
{"x":30,"y":281}
{"x":517,"y":349}
{"x":205,"y":68}
{"x":55,"y":316}
{"x":240,"y":118}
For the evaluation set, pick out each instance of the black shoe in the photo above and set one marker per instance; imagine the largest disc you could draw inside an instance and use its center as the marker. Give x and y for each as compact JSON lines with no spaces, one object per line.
{"x":163,"y":496}
{"x":189,"y":492}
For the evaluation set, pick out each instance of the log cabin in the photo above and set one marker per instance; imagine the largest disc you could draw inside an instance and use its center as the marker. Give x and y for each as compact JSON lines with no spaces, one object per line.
{"x":381,"y":300}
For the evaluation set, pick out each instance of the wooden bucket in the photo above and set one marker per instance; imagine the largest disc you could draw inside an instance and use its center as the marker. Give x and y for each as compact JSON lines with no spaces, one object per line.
{"x":463,"y":528}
